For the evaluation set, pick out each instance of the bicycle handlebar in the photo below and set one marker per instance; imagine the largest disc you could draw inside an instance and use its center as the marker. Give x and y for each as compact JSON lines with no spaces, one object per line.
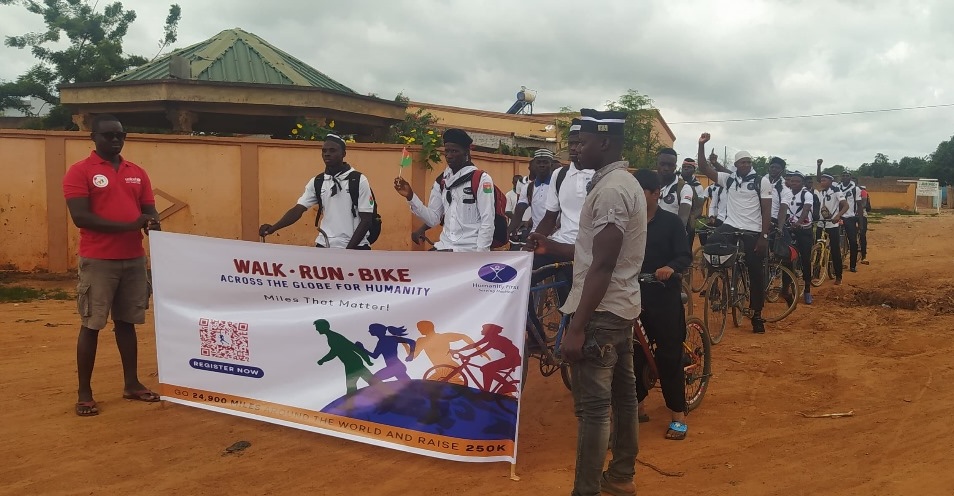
{"x":552,"y":266}
{"x":648,"y":278}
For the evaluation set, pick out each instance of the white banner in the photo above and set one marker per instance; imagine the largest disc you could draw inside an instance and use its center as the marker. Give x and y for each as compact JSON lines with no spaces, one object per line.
{"x":415,"y":351}
{"x":928,"y":188}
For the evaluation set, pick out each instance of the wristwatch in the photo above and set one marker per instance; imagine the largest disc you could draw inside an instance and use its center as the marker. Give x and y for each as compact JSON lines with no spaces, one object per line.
{"x":764,"y":236}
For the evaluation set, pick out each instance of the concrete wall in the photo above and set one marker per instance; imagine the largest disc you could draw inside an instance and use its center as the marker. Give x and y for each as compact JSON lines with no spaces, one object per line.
{"x":219,"y":187}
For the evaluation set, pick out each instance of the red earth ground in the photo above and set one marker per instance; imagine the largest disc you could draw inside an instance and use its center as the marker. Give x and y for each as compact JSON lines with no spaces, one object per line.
{"x":880,"y":345}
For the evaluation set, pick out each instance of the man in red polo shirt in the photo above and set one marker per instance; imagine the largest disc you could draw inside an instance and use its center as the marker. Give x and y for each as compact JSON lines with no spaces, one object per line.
{"x":111,"y":202}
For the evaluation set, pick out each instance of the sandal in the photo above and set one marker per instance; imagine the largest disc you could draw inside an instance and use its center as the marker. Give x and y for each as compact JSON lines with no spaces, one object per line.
{"x":142,"y":395}
{"x":643,"y":418}
{"x":86,"y":409}
{"x":677,"y":431}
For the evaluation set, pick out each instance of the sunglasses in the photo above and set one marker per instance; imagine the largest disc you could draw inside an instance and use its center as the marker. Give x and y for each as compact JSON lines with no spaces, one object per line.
{"x":113,"y":135}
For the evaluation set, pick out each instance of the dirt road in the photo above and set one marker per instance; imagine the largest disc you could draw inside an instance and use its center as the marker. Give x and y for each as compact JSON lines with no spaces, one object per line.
{"x":880,"y":345}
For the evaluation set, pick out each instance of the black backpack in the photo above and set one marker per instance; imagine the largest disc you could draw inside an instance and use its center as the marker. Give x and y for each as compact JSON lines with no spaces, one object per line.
{"x":816,"y":206}
{"x":354,"y":182}
{"x":757,"y":181}
{"x":500,"y":235}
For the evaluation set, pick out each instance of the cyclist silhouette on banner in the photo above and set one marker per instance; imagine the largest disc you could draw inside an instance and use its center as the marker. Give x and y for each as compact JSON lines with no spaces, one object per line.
{"x":388,"y":339}
{"x":493,"y":371}
{"x":353,"y":357}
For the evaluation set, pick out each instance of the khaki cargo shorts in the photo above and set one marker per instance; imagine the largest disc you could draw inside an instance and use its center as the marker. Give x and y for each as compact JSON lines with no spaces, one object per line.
{"x":117,"y":287}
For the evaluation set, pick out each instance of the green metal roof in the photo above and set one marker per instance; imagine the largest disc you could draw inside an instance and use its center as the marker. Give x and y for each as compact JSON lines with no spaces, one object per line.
{"x":235,"y":56}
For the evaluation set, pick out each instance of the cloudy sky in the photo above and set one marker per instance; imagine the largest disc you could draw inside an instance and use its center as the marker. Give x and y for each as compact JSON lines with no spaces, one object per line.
{"x":698,"y":61}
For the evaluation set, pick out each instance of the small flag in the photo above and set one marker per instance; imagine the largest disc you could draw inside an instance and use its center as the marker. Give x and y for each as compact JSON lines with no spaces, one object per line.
{"x":405,"y":157}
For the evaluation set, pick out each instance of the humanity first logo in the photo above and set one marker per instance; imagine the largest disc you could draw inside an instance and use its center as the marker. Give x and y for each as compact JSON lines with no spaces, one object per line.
{"x":497,"y":275}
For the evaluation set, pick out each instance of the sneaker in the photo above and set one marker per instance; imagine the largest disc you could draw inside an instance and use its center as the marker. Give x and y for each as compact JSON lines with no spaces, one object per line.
{"x":864,"y":261}
{"x":838,"y":282}
{"x":853,"y":269}
{"x":617,"y":487}
{"x":758,"y":324}
{"x":808,"y":299}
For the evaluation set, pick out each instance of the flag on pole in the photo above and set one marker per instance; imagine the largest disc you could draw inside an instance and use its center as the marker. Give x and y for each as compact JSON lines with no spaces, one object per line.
{"x":405,"y":160}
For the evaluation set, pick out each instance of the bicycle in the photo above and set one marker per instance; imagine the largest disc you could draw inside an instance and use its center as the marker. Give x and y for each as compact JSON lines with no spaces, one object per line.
{"x":781,"y":285}
{"x":725,"y":262}
{"x":821,"y":257}
{"x":503,"y":382}
{"x":696,"y":355}
{"x":697,"y":272}
{"x":544,"y":334}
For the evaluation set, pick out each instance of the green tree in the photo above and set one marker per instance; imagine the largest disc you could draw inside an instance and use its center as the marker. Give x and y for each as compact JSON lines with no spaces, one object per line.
{"x":93,"y":52}
{"x":912,"y":167}
{"x":942,"y":163}
{"x":640,"y":139}
{"x":760,"y":165}
{"x":835,"y":170}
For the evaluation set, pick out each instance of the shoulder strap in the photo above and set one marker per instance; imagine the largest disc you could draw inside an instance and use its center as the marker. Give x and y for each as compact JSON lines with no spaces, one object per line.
{"x":354,"y":184}
{"x":318,"y":181}
{"x":474,"y":178}
{"x":530,"y":193}
{"x":560,"y":177}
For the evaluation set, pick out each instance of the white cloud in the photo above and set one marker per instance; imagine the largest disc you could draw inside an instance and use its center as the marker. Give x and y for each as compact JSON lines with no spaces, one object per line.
{"x":698,"y":61}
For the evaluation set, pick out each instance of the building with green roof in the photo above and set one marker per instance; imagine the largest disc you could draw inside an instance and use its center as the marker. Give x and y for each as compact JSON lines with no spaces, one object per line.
{"x":234,"y":82}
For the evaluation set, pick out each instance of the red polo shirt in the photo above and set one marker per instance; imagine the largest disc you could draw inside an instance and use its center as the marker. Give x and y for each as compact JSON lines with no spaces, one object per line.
{"x":115,"y":195}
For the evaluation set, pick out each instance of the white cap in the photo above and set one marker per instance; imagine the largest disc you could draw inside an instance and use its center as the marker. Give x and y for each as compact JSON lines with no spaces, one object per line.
{"x":742,"y":154}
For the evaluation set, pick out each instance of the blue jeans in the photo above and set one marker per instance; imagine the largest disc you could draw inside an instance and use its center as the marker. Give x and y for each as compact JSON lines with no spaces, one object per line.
{"x":605,"y":377}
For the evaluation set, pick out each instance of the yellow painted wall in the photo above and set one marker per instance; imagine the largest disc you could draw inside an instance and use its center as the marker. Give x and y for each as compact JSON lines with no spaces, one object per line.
{"x":23,"y":232}
{"x":207,"y":174}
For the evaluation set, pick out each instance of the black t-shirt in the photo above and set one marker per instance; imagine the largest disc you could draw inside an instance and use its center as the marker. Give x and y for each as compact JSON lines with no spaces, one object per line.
{"x":666,"y":245}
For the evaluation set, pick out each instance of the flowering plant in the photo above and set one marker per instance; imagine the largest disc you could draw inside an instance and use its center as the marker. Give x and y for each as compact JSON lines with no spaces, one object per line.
{"x":311,"y":130}
{"x":418,"y":129}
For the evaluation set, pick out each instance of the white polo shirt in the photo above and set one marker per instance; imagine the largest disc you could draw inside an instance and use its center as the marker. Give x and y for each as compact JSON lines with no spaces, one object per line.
{"x":522,"y":186}
{"x":670,"y":199}
{"x":468,"y":224}
{"x":743,"y":200}
{"x":829,"y":205}
{"x":337,"y":220}
{"x":778,"y":190}
{"x":797,"y":203}
{"x":851,"y":193}
{"x":568,"y":201}
{"x":716,"y":196}
{"x":538,"y":204}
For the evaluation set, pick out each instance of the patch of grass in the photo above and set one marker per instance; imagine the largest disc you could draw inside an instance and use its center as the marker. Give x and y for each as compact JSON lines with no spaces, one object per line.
{"x":22,"y":294}
{"x":893,"y":211}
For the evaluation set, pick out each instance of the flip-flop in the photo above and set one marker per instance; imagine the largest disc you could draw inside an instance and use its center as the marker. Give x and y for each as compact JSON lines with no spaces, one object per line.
{"x":677,"y":431}
{"x":141,"y":395}
{"x":643,"y":418}
{"x":86,"y":409}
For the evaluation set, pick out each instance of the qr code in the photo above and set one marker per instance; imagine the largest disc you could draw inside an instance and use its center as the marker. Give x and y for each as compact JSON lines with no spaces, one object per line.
{"x":224,"y":339}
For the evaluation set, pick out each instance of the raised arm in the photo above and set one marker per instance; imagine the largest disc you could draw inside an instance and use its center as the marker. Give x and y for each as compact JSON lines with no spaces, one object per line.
{"x":704,"y":166}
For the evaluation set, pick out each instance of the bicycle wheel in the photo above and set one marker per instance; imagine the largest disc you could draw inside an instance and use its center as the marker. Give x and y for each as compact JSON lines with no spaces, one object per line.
{"x":742,"y":295}
{"x":687,"y":290}
{"x":548,"y":311}
{"x":697,"y":362}
{"x":445,"y":373}
{"x":819,"y":264}
{"x":781,"y":293}
{"x":698,"y":271}
{"x":716,"y":305}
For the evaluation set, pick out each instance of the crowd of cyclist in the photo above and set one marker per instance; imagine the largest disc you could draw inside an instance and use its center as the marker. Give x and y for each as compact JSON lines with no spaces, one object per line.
{"x":549,"y":209}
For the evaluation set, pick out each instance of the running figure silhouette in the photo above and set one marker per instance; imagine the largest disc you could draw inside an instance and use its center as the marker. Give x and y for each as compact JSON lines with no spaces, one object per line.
{"x":389,"y":337}
{"x":437,"y":345}
{"x":352,"y":357}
